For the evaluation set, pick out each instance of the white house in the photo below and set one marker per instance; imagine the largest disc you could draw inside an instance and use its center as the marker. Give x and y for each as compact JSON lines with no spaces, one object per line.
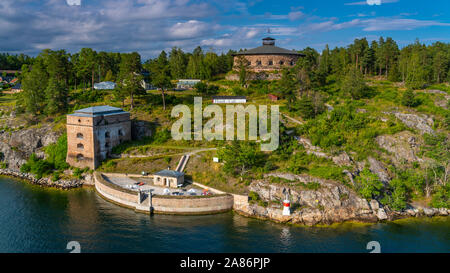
{"x":184,"y":84}
{"x":104,"y":86}
{"x":229,"y":99}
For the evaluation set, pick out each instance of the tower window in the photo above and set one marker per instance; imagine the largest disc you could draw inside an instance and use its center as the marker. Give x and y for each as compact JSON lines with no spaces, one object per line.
{"x":80,"y":136}
{"x":106,"y":134}
{"x":281,"y":62}
{"x":80,"y":157}
{"x":107,"y":145}
{"x":120,"y":133}
{"x":80,"y":146}
{"x":270,"y":62}
{"x":258,"y":62}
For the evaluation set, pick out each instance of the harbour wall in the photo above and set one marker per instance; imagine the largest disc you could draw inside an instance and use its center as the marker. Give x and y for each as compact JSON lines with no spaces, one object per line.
{"x":163,"y":204}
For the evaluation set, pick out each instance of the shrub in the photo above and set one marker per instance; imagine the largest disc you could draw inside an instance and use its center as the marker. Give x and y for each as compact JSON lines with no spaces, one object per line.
{"x":56,"y":153}
{"x":441,"y":199}
{"x":161,"y":136}
{"x":409,"y":99}
{"x":37,"y":166}
{"x":368,"y":184}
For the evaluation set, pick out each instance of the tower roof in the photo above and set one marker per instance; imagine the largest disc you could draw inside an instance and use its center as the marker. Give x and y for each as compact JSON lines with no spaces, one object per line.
{"x":269,"y":48}
{"x":98,"y":111}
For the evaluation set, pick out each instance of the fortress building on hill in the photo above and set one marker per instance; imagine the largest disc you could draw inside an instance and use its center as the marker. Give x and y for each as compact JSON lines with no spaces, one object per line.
{"x":267,"y":57}
{"x":93,"y":132}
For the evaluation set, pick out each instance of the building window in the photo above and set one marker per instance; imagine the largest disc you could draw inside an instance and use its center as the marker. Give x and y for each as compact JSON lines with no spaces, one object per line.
{"x":258,"y":62}
{"x":281,"y":62}
{"x":80,"y":146}
{"x":106,"y":134}
{"x":270,"y":62}
{"x":292,"y":62}
{"x":120,"y":133}
{"x":80,"y":157}
{"x":80,"y":136}
{"x":107,"y":145}
{"x":79,"y":120}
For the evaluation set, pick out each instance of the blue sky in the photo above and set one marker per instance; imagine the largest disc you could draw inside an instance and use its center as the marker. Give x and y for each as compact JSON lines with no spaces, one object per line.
{"x":149,"y":26}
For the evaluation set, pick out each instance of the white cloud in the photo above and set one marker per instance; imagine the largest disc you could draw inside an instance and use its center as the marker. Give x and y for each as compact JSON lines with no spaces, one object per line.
{"x":373,"y":24}
{"x":73,"y":2}
{"x":189,"y":29}
{"x":371,"y":2}
{"x":295,"y":15}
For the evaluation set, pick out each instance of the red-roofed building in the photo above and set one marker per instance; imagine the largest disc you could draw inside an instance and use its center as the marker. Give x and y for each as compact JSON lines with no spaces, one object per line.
{"x":272,"y":97}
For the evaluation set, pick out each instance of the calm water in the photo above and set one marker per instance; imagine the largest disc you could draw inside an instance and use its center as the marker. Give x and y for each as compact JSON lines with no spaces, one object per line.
{"x":34,"y":219}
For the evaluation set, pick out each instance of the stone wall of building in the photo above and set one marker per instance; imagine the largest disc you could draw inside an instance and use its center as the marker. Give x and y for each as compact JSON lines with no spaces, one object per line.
{"x":192,"y":204}
{"x":91,"y":139}
{"x":259,"y":63}
{"x":163,"y":204}
{"x":80,"y":142}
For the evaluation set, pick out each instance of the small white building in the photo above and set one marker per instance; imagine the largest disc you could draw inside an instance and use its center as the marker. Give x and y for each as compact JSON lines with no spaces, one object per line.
{"x":104,"y":86}
{"x":229,"y":99}
{"x":184,"y":84}
{"x":168,"y":178}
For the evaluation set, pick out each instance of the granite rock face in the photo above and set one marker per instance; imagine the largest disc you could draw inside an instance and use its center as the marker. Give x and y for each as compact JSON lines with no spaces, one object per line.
{"x":379,"y":169}
{"x":332,"y":202}
{"x":17,"y":146}
{"x":403,"y":146}
{"x":422,"y":123}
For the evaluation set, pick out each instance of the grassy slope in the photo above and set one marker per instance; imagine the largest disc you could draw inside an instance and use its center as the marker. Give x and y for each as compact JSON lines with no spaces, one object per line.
{"x":201,"y":168}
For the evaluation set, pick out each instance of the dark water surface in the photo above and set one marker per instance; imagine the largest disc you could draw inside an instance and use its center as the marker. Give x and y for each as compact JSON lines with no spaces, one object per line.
{"x":34,"y":219}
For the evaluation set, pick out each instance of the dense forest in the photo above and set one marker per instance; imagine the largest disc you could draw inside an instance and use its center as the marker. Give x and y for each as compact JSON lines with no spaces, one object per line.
{"x":47,"y":78}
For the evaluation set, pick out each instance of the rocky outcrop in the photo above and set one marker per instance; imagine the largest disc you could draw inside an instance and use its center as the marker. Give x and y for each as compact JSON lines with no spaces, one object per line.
{"x":17,"y":146}
{"x":403,"y":146}
{"x":379,"y":169}
{"x":343,"y":159}
{"x":331,"y":203}
{"x":422,"y":123}
{"x":47,"y":182}
{"x":442,"y":98}
{"x":311,"y":149}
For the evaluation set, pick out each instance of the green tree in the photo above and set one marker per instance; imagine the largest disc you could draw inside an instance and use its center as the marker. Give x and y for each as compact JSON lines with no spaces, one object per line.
{"x":240,"y":157}
{"x":311,"y":106}
{"x":109,"y":76}
{"x":86,"y":64}
{"x":34,"y":84}
{"x":368,"y":184}
{"x":415,"y":78}
{"x":409,"y":99}
{"x":55,"y":97}
{"x":397,"y":199}
{"x":242,"y":64}
{"x":177,"y":63}
{"x":288,"y":86}
{"x":161,"y":78}
{"x":130,"y":76}
{"x":354,"y":84}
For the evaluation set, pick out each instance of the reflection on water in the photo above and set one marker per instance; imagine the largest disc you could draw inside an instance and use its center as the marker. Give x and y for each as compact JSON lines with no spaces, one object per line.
{"x":34,"y":219}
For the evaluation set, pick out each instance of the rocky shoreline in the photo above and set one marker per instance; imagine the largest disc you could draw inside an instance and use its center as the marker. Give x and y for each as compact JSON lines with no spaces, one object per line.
{"x":309,"y":210}
{"x":45,"y":181}
{"x":331,"y":203}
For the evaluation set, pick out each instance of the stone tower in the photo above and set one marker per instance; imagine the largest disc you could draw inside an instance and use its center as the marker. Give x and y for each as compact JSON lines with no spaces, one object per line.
{"x":267,"y":57}
{"x":93,"y":132}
